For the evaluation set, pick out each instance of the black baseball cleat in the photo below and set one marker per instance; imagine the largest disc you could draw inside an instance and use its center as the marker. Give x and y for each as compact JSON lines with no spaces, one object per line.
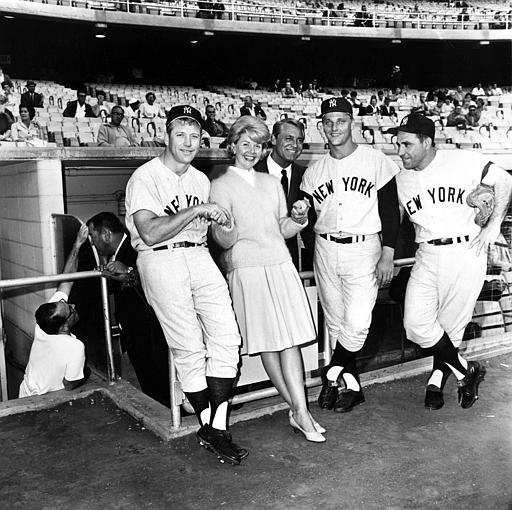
{"x":219,"y":442}
{"x":348,"y":400}
{"x":240,"y":451}
{"x":433,"y":398}
{"x":468,"y":387}
{"x":328,"y":395}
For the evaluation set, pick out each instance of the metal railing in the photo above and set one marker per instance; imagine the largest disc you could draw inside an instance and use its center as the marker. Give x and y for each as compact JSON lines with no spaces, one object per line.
{"x":174,"y":387}
{"x":286,"y":14}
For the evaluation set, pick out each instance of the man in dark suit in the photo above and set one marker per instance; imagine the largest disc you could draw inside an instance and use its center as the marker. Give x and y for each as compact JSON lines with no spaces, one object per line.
{"x":141,"y":334}
{"x":287,"y":144}
{"x":31,"y":98}
{"x":249,"y":108}
{"x":78,"y":108}
{"x":386,"y":110}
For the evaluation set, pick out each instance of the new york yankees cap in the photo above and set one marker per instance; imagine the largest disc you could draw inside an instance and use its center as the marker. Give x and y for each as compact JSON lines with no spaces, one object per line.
{"x":335,"y":104}
{"x":183,"y":111}
{"x":417,"y":124}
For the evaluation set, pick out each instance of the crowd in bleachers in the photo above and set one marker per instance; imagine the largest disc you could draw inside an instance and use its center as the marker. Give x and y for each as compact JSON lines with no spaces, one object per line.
{"x":477,"y":14}
{"x":134,"y":115}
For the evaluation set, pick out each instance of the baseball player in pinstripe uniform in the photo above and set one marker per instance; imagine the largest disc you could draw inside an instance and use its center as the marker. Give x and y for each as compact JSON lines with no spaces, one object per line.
{"x":353,"y":192}
{"x":167,"y":215}
{"x":452,"y":254}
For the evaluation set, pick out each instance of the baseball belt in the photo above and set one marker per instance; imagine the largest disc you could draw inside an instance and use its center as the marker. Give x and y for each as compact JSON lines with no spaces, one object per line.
{"x":343,"y":240}
{"x":448,"y":240}
{"x":181,"y":244}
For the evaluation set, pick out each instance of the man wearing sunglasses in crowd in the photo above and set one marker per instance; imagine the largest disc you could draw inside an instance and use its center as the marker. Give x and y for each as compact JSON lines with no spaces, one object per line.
{"x":57,"y":357}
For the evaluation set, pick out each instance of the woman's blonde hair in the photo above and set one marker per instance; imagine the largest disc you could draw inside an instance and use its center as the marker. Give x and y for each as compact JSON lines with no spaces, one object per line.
{"x":255,"y":128}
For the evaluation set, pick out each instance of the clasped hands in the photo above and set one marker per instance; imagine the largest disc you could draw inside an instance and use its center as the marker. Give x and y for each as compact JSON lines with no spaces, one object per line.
{"x":299,"y":212}
{"x":214,"y":212}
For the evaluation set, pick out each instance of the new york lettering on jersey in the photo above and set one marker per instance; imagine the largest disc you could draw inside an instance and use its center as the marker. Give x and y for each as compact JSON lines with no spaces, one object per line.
{"x":434,"y":196}
{"x":345,"y":184}
{"x":174,"y":206}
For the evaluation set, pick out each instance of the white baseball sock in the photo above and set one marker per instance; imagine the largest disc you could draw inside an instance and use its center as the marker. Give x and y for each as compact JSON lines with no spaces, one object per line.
{"x":333,"y":373}
{"x":436,"y":378}
{"x":351,"y":382}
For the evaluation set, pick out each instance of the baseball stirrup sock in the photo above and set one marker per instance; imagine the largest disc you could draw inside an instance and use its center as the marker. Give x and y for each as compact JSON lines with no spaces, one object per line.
{"x":439,"y":375}
{"x":445,"y":351}
{"x":200,"y":401}
{"x":341,"y":359}
{"x":220,"y":391}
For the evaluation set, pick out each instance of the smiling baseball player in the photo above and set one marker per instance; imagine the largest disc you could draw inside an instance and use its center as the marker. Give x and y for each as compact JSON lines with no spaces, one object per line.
{"x":353,"y":192}
{"x":451,"y":259}
{"x":167,"y":215}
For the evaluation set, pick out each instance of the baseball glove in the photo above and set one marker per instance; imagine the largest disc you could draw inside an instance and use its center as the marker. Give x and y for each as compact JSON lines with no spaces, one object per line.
{"x":482,"y":198}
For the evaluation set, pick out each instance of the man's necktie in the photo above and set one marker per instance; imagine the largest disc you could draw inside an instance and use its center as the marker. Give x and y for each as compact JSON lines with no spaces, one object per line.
{"x":284,"y":182}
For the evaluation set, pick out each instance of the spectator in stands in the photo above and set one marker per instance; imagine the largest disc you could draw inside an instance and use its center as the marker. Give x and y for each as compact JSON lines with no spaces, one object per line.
{"x":299,"y":89}
{"x":396,"y":79}
{"x":288,"y":90}
{"x":5,"y":126}
{"x":101,"y":108}
{"x":277,"y":86}
{"x":310,"y":92}
{"x":344,"y":94}
{"x":27,"y":129}
{"x":150,"y":109}
{"x":354,"y":101}
{"x":478,"y":91}
{"x":115,"y":134}
{"x":249,"y":108}
{"x":422,"y":106}
{"x":456,"y":118}
{"x":380,"y":97}
{"x":132,"y":110}
{"x":141,"y":335}
{"x":386,"y":110}
{"x":57,"y":357}
{"x":458,"y":95}
{"x":495,"y":90}
{"x":447,"y":107}
{"x":31,"y":97}
{"x":363,"y":18}
{"x":218,"y":9}
{"x":437,"y":109}
{"x":466,"y":103}
{"x":213,"y":126}
{"x":9,"y":98}
{"x":372,"y":108}
{"x":473,"y":116}
{"x":78,"y":108}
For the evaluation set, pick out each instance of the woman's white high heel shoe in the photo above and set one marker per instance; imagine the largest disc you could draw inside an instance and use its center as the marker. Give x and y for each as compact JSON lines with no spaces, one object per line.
{"x":317,"y":425}
{"x":314,"y":437}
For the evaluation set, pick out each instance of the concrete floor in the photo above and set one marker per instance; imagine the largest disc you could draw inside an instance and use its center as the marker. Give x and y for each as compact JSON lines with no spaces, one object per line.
{"x":389,"y":453}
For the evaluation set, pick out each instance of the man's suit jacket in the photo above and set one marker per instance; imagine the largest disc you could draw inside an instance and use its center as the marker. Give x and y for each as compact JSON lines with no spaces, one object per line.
{"x":70,"y":110}
{"x":27,"y":100}
{"x":307,"y":233}
{"x":258,"y":111}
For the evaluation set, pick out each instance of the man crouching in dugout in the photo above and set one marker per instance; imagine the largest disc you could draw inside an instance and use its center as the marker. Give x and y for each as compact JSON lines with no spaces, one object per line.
{"x":167,"y":215}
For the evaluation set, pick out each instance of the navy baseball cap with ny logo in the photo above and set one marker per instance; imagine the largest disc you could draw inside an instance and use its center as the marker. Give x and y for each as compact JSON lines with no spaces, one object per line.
{"x":335,"y":104}
{"x":184,"y":111}
{"x":418,"y":124}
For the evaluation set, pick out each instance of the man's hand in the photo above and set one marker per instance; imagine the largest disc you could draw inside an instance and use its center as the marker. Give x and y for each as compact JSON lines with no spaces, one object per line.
{"x":384,"y":269}
{"x":81,"y":236}
{"x":116,"y":267}
{"x":299,"y":212}
{"x":212,"y":212}
{"x":484,"y":239}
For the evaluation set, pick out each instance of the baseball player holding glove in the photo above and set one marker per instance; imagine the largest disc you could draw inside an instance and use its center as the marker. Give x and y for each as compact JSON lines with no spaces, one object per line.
{"x":451,"y":259}
{"x":352,"y":190}
{"x":167,"y":215}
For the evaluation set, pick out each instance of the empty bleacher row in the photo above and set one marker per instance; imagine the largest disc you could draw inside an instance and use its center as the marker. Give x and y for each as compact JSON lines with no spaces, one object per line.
{"x":477,"y":15}
{"x":57,"y":130}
